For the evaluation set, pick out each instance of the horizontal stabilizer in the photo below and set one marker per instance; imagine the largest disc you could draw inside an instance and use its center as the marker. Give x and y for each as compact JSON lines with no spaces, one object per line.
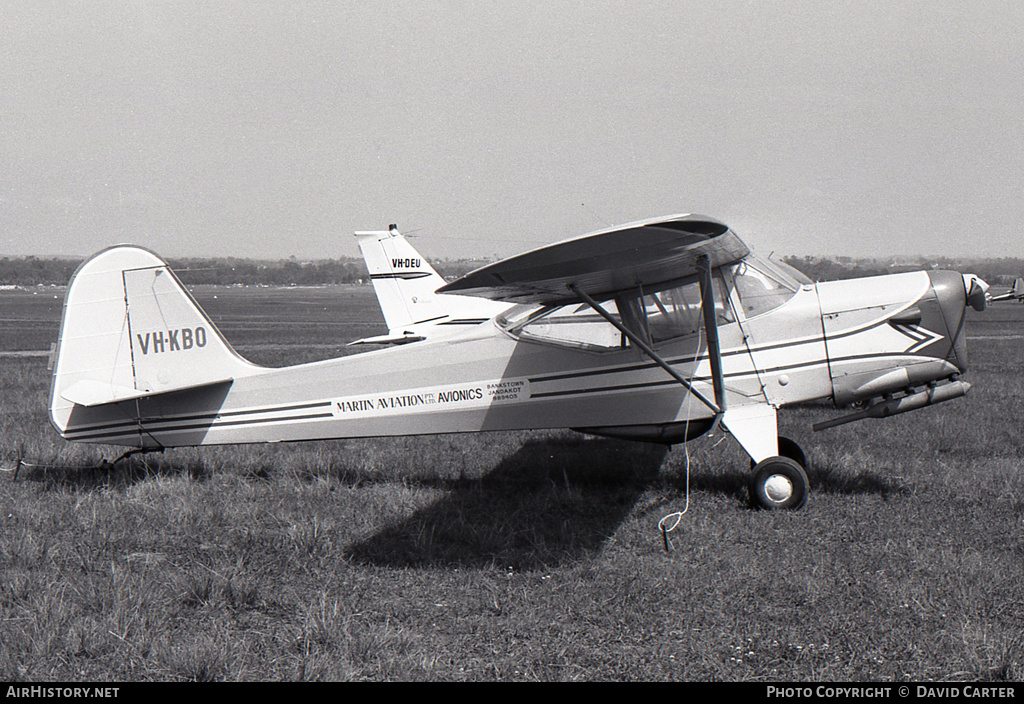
{"x":88,"y":392}
{"x":387,"y":340}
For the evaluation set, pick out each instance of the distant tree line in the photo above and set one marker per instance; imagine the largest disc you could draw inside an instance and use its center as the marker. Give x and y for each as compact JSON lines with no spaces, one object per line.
{"x":35,"y":271}
{"x":1001,"y":271}
{"x":30,"y":271}
{"x":283,"y":273}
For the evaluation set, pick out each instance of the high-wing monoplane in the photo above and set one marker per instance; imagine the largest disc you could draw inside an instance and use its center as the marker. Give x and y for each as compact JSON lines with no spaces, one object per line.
{"x":657,"y":331}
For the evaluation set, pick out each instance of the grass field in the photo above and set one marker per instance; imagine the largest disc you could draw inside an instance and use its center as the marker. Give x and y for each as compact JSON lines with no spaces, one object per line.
{"x":508,"y":556}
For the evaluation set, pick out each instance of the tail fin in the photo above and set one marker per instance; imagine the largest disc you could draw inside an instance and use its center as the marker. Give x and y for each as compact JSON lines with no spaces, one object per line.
{"x":406,"y":286}
{"x":403,"y":280}
{"x":131,"y":330}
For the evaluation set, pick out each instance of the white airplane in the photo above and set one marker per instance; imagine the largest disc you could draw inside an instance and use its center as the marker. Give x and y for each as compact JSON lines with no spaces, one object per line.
{"x":658,"y":331}
{"x":1016,"y":292}
{"x":406,"y":287}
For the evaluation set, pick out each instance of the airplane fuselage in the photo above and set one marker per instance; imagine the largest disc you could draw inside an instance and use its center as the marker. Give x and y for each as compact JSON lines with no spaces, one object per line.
{"x":846,"y":340}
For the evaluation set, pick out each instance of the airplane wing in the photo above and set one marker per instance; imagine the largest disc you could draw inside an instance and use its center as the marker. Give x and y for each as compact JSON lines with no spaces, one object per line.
{"x":649,"y":255}
{"x":645,"y":254}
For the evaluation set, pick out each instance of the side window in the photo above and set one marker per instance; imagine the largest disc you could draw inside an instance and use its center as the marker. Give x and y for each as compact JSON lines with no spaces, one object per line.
{"x":673,"y":313}
{"x":655,"y":317}
{"x":575,"y":325}
{"x":759,"y":292}
{"x":676,"y":312}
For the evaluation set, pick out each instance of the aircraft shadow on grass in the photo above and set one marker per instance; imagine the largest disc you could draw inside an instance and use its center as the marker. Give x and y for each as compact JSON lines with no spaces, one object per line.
{"x":829,"y":479}
{"x":553,"y":500}
{"x":557,"y":500}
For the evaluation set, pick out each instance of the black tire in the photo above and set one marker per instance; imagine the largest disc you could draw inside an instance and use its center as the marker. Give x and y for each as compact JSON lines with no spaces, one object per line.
{"x":789,"y":448}
{"x":779,"y":483}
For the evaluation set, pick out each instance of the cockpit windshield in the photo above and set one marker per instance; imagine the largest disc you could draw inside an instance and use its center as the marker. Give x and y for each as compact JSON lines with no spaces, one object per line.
{"x":761,"y":286}
{"x":791,"y":271}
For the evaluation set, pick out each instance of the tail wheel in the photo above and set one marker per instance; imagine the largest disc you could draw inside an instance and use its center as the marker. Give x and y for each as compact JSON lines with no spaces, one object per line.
{"x":779,"y":483}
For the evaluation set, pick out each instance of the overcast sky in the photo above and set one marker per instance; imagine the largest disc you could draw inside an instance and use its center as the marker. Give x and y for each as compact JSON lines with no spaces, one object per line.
{"x":270,"y":129}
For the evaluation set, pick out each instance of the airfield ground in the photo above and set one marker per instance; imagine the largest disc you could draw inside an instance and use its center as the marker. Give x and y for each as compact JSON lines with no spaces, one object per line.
{"x":508,"y":556}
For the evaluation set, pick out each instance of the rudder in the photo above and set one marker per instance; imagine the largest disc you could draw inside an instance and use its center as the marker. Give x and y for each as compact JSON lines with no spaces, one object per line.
{"x":130,"y":330}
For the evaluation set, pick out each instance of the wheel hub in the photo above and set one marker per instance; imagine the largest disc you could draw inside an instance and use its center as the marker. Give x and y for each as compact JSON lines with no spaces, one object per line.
{"x":778,"y":488}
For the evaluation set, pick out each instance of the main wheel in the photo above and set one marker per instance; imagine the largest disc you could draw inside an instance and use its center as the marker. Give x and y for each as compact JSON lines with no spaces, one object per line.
{"x":779,"y":483}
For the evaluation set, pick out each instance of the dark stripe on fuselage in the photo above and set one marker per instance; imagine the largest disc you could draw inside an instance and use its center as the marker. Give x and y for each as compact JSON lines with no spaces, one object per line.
{"x":405,"y":275}
{"x":144,"y":429}
{"x":131,"y":426}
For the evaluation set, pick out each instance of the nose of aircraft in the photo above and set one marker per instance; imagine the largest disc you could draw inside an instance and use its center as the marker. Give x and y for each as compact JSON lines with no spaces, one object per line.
{"x":954,"y":293}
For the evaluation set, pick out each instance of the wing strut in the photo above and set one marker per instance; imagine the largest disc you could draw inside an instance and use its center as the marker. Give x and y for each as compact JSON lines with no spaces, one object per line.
{"x":754,"y":426}
{"x":707,"y":302}
{"x":646,"y":349}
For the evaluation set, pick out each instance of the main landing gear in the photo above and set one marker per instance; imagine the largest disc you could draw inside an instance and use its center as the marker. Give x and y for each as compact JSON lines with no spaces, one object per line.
{"x":780,"y":482}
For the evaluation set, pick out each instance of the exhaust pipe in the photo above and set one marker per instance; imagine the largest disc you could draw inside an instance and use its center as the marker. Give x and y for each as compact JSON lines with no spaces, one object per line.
{"x":895,"y":406}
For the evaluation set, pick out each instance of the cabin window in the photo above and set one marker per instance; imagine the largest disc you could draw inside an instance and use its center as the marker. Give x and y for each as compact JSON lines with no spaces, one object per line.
{"x":760,"y":291}
{"x":655,"y":317}
{"x":676,"y":312}
{"x":575,"y":325}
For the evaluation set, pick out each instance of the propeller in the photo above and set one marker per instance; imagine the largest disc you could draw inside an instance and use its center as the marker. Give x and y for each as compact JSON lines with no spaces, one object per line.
{"x":977,"y":292}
